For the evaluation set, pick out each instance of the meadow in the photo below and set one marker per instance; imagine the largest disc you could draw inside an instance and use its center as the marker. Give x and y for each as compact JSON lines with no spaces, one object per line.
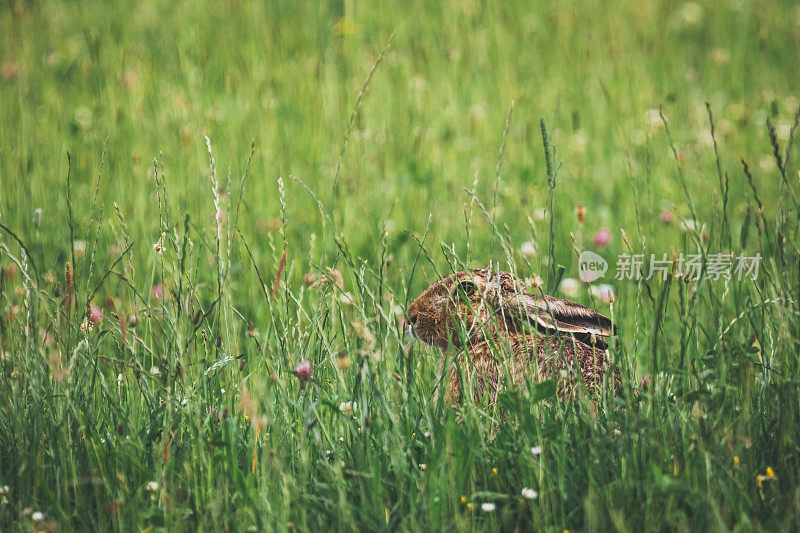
{"x":197,"y":196}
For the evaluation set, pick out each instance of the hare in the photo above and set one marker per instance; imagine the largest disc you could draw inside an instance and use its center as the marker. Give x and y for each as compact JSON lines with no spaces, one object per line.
{"x":487,"y":314}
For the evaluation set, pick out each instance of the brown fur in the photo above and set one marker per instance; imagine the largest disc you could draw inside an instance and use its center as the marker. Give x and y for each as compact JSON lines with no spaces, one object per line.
{"x":503,"y":329}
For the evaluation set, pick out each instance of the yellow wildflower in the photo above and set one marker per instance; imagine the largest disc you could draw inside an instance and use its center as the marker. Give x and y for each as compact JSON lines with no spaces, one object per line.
{"x":765,"y":477}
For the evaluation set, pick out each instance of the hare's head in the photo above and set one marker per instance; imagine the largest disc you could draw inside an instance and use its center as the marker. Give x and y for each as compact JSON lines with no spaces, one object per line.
{"x":471,"y":306}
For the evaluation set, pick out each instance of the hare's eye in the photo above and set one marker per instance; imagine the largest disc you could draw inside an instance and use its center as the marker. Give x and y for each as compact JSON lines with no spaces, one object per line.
{"x":468,"y":288}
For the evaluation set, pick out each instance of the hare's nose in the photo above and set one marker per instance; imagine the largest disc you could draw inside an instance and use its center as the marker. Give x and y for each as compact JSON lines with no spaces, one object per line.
{"x":412,"y":315}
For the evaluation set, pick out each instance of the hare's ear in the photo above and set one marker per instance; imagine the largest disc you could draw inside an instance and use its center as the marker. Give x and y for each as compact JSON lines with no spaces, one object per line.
{"x":557,"y":314}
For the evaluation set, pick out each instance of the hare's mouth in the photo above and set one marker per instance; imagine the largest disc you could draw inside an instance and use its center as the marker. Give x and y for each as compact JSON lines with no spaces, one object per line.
{"x":414,"y":335}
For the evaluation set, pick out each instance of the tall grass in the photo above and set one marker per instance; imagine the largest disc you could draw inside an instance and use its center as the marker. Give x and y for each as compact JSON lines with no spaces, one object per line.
{"x":152,"y":314}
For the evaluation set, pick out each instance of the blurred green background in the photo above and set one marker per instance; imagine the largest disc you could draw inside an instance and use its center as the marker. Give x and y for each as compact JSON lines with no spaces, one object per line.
{"x":155,"y":77}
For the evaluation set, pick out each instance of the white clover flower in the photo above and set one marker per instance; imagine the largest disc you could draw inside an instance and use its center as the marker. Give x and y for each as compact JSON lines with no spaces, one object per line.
{"x":783,"y":130}
{"x":603,"y":291}
{"x":38,"y":516}
{"x":158,"y":247}
{"x":570,"y":287}
{"x":692,"y":225}
{"x":528,"y":249}
{"x":529,"y":494}
{"x":488,"y":507}
{"x":534,"y":282}
{"x":346,"y":298}
{"x":151,"y":486}
{"x":690,"y":13}
{"x":578,"y":142}
{"x":766,"y":163}
{"x":653,"y":118}
{"x":348,"y":407}
{"x":536,"y":450}
{"x":80,"y":248}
